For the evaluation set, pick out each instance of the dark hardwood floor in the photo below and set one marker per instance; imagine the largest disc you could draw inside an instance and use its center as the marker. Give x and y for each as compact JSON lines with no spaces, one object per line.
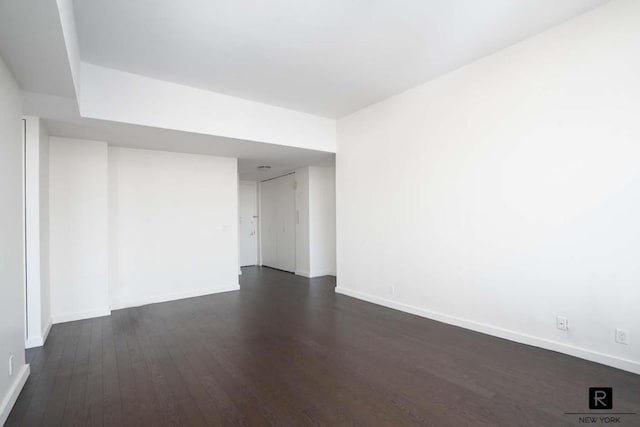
{"x":288,"y":351}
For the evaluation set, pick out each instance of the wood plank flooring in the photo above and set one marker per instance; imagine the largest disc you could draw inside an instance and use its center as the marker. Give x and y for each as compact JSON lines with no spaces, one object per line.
{"x":288,"y":351}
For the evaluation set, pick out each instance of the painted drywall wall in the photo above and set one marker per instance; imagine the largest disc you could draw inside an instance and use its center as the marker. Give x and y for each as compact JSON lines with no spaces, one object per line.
{"x":303,"y":256}
{"x":114,"y":95}
{"x":315,"y":221}
{"x":78,"y":218}
{"x":322,"y":221}
{"x":12,"y":320}
{"x":505,"y":193}
{"x":32,"y":230}
{"x":70,"y":34}
{"x":173,"y":227}
{"x":43,"y":190}
{"x":37,"y":225}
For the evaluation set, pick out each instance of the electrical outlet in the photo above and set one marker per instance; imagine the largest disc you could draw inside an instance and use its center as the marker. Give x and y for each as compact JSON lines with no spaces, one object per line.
{"x":562,"y":323}
{"x":622,"y":336}
{"x":11,"y":365}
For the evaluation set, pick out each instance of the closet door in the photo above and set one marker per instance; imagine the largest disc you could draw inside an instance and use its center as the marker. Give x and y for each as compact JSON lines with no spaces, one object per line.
{"x":286,"y":240}
{"x":269,"y":220}
{"x":277,"y":199}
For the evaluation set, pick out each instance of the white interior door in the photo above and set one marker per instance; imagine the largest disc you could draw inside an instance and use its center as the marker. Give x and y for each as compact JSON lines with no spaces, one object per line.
{"x":268,"y":228}
{"x":277,"y":198}
{"x":248,"y":222}
{"x":286,"y":213}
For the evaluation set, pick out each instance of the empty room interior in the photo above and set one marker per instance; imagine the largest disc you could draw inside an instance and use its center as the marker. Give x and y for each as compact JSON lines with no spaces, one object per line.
{"x":328,"y":213}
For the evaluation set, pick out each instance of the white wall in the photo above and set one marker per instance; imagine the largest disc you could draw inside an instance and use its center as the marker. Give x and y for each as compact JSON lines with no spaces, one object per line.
{"x":315,"y":221}
{"x":322,"y":221}
{"x":303,"y":256}
{"x":114,"y":95}
{"x":173,"y":225}
{"x":505,"y":193}
{"x":78,"y":229}
{"x":37,"y":239}
{"x":12,"y":316}
{"x":70,"y":34}
{"x":32,"y":230}
{"x":45,"y":287}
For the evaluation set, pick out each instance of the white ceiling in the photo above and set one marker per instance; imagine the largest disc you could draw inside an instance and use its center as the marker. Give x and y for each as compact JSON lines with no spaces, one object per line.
{"x":328,"y":57}
{"x":31,"y":42}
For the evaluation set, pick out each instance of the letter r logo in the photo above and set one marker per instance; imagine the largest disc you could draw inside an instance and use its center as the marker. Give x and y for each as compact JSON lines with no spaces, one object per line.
{"x":600,"y":398}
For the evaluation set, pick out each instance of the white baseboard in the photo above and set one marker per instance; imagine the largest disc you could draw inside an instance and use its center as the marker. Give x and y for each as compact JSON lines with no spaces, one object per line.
{"x":315,"y":274}
{"x":12,"y":394}
{"x":174,"y":296}
{"x":33,"y":342}
{"x":142,"y":301}
{"x":323,"y":273}
{"x":70,"y":317}
{"x":583,"y":353}
{"x":45,"y":334}
{"x":39,"y":341}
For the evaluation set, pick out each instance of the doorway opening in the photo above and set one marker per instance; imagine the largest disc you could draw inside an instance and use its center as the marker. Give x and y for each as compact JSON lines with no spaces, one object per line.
{"x":248,"y":222}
